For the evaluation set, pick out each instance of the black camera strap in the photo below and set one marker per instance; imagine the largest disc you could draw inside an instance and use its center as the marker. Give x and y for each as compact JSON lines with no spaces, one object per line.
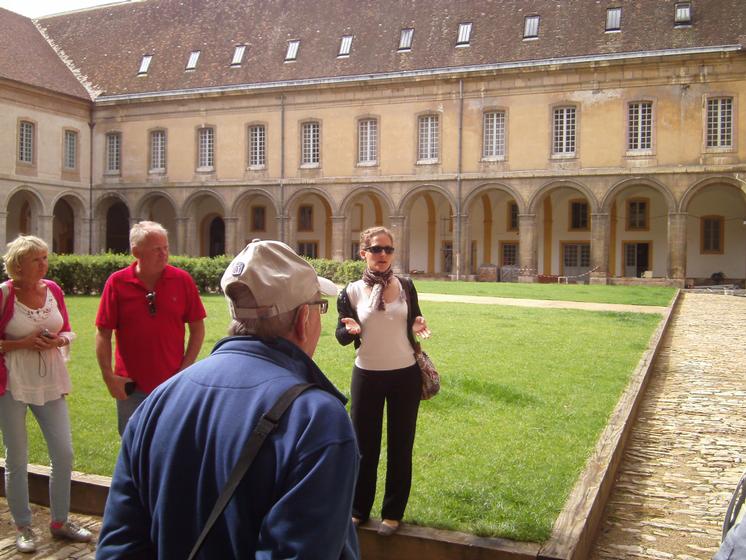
{"x":267,"y":424}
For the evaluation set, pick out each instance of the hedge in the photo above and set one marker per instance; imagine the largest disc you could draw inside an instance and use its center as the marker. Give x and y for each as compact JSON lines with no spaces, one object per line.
{"x":86,"y":274}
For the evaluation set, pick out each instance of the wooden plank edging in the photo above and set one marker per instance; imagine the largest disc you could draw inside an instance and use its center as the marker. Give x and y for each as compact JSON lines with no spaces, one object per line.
{"x":576,"y":527}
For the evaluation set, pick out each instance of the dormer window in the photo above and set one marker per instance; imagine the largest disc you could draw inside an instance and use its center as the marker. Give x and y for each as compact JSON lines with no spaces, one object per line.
{"x":344,"y":46}
{"x":531,"y":27}
{"x":292,"y":53}
{"x":683,"y":13}
{"x":464,"y":35}
{"x":405,"y":39}
{"x":613,"y":19}
{"x":144,"y":64}
{"x":192,"y":62}
{"x":238,"y":53}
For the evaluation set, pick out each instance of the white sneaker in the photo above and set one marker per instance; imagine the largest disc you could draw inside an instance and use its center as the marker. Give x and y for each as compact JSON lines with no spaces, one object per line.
{"x":25,"y":539}
{"x":71,"y":532}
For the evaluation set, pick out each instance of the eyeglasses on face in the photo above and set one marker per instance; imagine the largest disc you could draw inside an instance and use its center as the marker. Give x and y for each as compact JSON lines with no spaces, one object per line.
{"x":377,"y":249}
{"x":150,"y":298}
{"x":323,"y":305}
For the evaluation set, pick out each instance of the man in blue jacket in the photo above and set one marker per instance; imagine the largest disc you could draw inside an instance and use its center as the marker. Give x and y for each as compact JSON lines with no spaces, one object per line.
{"x":179,"y":447}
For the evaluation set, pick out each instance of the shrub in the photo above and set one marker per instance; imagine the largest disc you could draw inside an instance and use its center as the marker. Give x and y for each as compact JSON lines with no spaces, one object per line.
{"x":87,"y":274}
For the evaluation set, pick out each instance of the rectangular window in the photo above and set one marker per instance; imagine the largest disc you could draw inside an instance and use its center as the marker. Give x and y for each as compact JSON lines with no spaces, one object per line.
{"x":144,"y":64}
{"x":308,"y":249}
{"x":257,"y":145}
{"x":192,"y":62}
{"x":637,"y":215}
{"x":578,"y":215}
{"x":292,"y":52}
{"x":258,"y":218}
{"x":531,"y":27}
{"x":577,"y":255}
{"x":563,"y":132}
{"x":509,"y":255}
{"x":367,"y":141}
{"x":238,"y":54}
{"x":683,"y":13}
{"x":310,"y":145}
{"x":158,"y":151}
{"x":26,"y":142}
{"x":720,"y":122}
{"x":113,"y":152}
{"x":206,"y":157}
{"x":70,"y":150}
{"x":494,"y":135}
{"x":712,"y":235}
{"x":613,"y":19}
{"x":464,"y":35}
{"x":512,"y":216}
{"x":428,"y":141}
{"x":405,"y":39}
{"x":305,"y":218}
{"x":345,"y":46}
{"x":640,"y":126}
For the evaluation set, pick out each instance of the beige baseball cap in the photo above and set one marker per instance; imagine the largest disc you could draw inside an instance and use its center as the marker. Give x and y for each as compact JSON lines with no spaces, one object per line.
{"x":278,"y":278}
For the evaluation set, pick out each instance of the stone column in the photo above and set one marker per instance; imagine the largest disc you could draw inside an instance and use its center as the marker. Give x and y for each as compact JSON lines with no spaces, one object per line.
{"x":231,"y":232}
{"x":45,"y":228}
{"x":528,"y":254}
{"x":599,"y":248}
{"x":338,"y":238}
{"x":677,"y":246}
{"x":462,"y":266}
{"x":181,"y":235}
{"x":401,"y":241}
{"x":290,"y":235}
{"x":3,"y":228}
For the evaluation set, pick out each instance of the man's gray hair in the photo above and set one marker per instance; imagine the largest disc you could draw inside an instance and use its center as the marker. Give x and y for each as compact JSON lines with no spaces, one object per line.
{"x":265,"y":327}
{"x":141,"y":230}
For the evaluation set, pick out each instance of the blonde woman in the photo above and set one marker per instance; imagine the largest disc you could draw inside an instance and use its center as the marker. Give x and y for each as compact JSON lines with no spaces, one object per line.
{"x":35,"y":335}
{"x":381,"y":315}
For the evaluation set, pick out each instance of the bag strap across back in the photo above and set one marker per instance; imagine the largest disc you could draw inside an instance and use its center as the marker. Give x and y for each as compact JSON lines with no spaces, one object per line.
{"x":267,"y":424}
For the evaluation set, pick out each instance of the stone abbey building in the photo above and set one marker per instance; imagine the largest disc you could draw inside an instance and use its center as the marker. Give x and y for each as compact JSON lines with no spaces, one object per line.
{"x":599,"y":140}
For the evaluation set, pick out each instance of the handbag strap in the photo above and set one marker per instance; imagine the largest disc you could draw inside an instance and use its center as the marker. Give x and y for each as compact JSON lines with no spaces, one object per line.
{"x":267,"y":424}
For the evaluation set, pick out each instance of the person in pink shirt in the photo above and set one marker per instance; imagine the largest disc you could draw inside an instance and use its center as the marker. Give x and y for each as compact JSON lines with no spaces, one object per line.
{"x":148,"y":306}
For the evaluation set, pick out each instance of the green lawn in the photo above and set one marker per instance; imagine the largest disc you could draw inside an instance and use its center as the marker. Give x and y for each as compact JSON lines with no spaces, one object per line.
{"x":637,"y":295}
{"x":526,"y":393}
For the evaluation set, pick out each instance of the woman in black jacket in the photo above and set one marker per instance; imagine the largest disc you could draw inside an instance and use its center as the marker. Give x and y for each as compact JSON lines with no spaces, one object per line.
{"x":381,"y":315}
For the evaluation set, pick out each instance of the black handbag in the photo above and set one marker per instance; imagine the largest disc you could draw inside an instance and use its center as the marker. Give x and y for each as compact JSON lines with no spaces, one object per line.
{"x":267,"y":424}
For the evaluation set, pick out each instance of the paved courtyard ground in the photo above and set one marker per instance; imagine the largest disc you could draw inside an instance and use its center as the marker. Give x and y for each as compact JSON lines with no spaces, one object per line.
{"x":685,"y":455}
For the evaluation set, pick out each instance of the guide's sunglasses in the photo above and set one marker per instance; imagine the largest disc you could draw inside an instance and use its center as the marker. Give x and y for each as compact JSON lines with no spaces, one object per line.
{"x":377,"y":249}
{"x":150,"y":298}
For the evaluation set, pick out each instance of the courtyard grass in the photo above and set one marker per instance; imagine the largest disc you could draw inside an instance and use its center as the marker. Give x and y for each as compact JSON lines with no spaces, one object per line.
{"x":634,"y":295}
{"x":526,"y":393}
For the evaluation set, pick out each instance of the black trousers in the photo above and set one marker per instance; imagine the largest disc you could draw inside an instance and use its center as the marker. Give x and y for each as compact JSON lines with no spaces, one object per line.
{"x":400,"y":391}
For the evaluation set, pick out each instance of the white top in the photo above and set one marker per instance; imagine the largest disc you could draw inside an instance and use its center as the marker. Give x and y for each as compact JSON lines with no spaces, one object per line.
{"x":37,"y":377}
{"x":384,"y":345}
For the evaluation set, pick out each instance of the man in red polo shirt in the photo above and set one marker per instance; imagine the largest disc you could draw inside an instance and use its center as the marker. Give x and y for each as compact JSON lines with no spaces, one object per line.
{"x":148,"y":305}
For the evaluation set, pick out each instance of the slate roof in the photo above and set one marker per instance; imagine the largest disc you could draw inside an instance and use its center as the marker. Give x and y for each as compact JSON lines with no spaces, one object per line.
{"x":25,"y":56}
{"x":107,"y":44}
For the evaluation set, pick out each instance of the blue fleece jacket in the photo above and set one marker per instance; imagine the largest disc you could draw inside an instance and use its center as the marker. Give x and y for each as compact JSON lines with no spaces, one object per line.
{"x":182,"y":442}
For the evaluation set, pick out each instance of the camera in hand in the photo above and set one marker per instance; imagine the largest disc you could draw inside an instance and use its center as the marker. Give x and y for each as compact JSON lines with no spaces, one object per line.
{"x":46,"y":334}
{"x":129,"y":387}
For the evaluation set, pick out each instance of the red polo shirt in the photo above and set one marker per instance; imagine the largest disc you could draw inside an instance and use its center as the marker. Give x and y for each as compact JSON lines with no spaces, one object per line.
{"x":149,"y":346}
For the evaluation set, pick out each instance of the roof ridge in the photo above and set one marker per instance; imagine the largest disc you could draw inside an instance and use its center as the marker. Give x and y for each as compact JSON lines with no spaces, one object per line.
{"x":93,"y":92}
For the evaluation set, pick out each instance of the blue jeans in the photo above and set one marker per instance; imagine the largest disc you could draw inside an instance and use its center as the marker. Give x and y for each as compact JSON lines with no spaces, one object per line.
{"x":126,"y":408}
{"x":55,"y":425}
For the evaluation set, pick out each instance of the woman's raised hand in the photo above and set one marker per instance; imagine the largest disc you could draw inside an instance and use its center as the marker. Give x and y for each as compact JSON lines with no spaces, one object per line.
{"x":351,"y":325}
{"x":420,"y":328}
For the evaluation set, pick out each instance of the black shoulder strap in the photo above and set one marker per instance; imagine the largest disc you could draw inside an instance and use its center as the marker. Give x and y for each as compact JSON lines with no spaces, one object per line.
{"x":267,"y":424}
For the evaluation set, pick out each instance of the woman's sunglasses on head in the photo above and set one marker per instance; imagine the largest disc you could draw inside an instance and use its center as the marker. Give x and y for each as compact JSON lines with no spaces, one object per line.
{"x":377,"y":249}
